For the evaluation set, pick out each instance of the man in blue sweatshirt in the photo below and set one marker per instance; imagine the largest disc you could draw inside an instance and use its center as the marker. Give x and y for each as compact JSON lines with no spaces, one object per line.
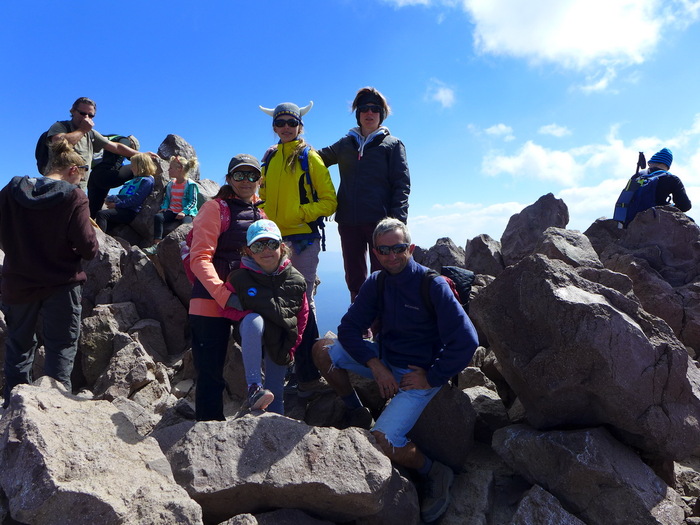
{"x":418,"y":349}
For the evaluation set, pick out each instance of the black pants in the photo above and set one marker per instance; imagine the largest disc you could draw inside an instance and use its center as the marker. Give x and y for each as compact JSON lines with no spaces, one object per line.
{"x":164,"y":217}
{"x":114,"y":216}
{"x":103,"y":180}
{"x":210,"y":336}
{"x":60,"y":318}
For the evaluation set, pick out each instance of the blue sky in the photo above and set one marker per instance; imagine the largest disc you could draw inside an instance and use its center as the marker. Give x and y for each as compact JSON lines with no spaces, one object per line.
{"x":497,"y":101}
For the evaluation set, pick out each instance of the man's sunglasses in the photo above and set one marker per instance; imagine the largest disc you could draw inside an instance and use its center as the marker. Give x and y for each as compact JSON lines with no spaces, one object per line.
{"x":259,"y":246}
{"x":91,"y":115}
{"x":396,"y":248}
{"x":251,"y":176}
{"x":365,"y":108}
{"x":280,"y":122}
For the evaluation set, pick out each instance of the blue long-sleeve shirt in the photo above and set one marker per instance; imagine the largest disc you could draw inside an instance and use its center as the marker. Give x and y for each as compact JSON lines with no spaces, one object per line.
{"x":441,"y":342}
{"x":134,"y":192}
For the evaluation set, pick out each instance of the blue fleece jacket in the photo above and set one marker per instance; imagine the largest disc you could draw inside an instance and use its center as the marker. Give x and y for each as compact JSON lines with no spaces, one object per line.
{"x":442,"y":343}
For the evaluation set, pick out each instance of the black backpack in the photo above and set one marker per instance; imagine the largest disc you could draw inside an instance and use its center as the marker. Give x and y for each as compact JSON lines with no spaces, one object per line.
{"x":459,"y":279}
{"x":41,"y":152}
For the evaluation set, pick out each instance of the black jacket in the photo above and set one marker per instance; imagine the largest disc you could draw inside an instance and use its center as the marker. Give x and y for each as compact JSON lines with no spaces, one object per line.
{"x":373,"y":186}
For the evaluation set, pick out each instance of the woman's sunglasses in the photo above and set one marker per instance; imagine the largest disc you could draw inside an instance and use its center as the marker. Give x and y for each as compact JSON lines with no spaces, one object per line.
{"x":259,"y":246}
{"x":292,"y":123}
{"x":365,"y":108}
{"x":251,"y":176}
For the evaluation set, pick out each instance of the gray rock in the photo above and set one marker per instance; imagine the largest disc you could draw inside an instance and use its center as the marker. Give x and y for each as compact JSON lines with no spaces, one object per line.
{"x":483,"y":255}
{"x":594,"y":476}
{"x":449,"y":409}
{"x":270,"y":461}
{"x":524,"y":230}
{"x":579,"y":353}
{"x":539,"y":506}
{"x":68,"y":460}
{"x":142,"y":285}
{"x":569,"y":246}
{"x":444,"y":253}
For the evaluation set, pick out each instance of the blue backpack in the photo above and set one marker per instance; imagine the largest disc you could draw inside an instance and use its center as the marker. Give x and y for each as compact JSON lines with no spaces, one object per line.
{"x":638,"y":195}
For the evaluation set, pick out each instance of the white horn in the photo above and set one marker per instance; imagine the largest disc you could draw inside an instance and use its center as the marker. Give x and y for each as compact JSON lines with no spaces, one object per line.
{"x":269,"y":111}
{"x":303,"y":111}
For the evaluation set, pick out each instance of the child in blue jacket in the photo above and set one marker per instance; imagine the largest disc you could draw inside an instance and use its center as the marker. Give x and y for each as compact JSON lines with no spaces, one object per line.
{"x":123,"y":207}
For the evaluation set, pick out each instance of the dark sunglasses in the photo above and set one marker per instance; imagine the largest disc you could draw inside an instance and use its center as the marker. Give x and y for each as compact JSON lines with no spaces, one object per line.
{"x":85,"y":167}
{"x":239,"y":176}
{"x":91,"y":115}
{"x":364,"y":108}
{"x":291,"y":122}
{"x":259,"y":246}
{"x":396,"y":248}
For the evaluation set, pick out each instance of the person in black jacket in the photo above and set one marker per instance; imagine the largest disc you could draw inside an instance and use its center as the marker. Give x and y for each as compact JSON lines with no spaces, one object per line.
{"x":46,"y":232}
{"x":374,"y":183}
{"x":671,"y":185}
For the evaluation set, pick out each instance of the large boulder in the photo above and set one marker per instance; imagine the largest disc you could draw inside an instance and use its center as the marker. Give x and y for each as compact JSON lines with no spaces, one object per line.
{"x":142,"y":285}
{"x":524,"y":230}
{"x":270,"y":461}
{"x":579,"y":353}
{"x":483,"y":255}
{"x":67,"y":460}
{"x":597,"y":478}
{"x":444,"y":253}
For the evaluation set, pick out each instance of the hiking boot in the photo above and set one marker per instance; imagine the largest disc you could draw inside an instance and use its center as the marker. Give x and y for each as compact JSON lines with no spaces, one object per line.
{"x":358,"y":417}
{"x":151,"y":250}
{"x":258,"y":398}
{"x":436,"y":498}
{"x":310,"y":388}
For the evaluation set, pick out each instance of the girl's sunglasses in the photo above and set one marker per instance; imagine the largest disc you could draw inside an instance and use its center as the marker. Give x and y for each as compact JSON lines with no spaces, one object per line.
{"x":259,"y":246}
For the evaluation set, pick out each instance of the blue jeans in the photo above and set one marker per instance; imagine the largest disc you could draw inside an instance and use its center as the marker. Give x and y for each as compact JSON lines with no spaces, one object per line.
{"x":405,"y":407}
{"x":252,"y":328}
{"x":60,"y":316}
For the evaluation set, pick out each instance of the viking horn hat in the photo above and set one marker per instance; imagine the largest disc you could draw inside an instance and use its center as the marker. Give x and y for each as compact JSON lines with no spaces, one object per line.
{"x":288,"y":108}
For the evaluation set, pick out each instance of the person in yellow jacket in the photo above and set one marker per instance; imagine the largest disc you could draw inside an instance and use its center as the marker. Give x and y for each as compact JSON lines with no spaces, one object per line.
{"x":294,"y":200}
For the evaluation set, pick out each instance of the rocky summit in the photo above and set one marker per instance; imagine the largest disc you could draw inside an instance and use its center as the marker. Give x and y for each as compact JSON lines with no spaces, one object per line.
{"x":581,"y":405}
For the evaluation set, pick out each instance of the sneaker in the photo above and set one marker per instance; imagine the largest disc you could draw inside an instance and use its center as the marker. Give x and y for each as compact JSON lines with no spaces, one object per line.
{"x":437,"y":493}
{"x":358,"y":417}
{"x":151,"y":250}
{"x":258,"y":398}
{"x":313,"y":387}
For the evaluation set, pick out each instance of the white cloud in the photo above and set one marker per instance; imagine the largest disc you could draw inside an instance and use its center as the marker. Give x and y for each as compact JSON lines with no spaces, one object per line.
{"x":462,"y":225}
{"x":501,"y":130}
{"x":562,"y":31}
{"x":536,"y":162}
{"x":597,"y":37}
{"x":439,"y":92}
{"x":555,"y":130}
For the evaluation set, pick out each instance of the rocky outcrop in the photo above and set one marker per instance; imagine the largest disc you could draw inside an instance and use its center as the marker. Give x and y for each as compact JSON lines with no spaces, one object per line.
{"x":67,"y":460}
{"x":581,"y":405}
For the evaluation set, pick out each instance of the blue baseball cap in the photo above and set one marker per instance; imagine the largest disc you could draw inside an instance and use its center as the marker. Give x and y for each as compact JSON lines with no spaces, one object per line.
{"x":263,"y":229}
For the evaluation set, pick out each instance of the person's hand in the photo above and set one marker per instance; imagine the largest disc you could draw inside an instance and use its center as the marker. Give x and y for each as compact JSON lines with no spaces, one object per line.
{"x":180,"y":216}
{"x":86,"y":125}
{"x":415,"y":380}
{"x":388,"y":387}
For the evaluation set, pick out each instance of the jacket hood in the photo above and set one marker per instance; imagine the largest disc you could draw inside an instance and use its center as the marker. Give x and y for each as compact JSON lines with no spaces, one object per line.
{"x":39,"y":193}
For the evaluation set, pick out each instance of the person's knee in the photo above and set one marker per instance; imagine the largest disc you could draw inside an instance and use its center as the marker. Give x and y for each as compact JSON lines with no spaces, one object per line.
{"x":383,"y":443}
{"x":320,"y":355}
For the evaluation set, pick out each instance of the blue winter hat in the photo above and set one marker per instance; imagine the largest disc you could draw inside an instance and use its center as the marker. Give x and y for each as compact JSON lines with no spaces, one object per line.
{"x":263,"y":229}
{"x":663,"y":157}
